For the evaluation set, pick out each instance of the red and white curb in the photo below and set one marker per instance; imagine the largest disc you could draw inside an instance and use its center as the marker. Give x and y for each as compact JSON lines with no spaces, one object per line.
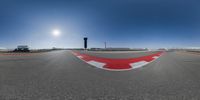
{"x":117,"y":64}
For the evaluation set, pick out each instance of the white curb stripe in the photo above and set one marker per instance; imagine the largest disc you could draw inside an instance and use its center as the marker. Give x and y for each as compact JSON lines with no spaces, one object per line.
{"x":75,"y":53}
{"x":155,"y":57}
{"x":96,"y":64}
{"x":138,"y":64}
{"x":80,"y":57}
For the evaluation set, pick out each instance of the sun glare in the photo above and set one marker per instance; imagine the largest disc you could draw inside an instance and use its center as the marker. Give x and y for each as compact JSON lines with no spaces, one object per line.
{"x":56,"y":32}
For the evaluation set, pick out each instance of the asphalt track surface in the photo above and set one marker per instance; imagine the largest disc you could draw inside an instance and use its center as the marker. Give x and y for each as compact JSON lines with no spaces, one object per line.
{"x":117,"y":54}
{"x":59,"y":75}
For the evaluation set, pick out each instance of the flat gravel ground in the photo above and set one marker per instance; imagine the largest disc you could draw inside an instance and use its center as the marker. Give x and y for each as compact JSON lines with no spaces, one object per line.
{"x":59,"y":75}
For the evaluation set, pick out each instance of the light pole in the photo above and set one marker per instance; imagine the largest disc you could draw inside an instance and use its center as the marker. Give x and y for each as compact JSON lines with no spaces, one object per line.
{"x":105,"y":44}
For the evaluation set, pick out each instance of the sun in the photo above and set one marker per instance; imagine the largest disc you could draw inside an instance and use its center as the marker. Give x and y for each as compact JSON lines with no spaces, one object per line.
{"x":56,"y":32}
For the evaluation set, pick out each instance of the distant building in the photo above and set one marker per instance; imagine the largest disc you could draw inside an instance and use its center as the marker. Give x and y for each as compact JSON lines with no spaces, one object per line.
{"x":22,"y":48}
{"x":162,"y":49}
{"x":119,"y":49}
{"x":3,"y":49}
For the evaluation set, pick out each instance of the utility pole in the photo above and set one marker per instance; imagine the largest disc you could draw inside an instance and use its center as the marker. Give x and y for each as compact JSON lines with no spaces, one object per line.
{"x":105,"y":44}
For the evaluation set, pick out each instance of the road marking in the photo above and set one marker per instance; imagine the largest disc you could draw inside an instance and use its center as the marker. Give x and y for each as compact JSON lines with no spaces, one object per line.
{"x":155,"y":57}
{"x":138,"y":64}
{"x":117,"y":64}
{"x":80,"y":56}
{"x":96,"y":64}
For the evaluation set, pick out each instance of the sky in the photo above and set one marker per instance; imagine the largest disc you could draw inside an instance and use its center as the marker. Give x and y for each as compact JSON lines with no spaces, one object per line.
{"x":120,"y":23}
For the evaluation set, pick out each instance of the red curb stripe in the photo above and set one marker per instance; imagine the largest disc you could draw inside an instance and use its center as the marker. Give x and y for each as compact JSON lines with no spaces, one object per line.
{"x":117,"y":64}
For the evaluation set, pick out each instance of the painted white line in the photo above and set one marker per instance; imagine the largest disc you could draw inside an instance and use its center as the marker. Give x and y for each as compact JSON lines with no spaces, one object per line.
{"x":138,"y":64}
{"x":155,"y":57}
{"x":117,"y":70}
{"x":74,"y":53}
{"x":80,"y":57}
{"x":96,"y":64}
